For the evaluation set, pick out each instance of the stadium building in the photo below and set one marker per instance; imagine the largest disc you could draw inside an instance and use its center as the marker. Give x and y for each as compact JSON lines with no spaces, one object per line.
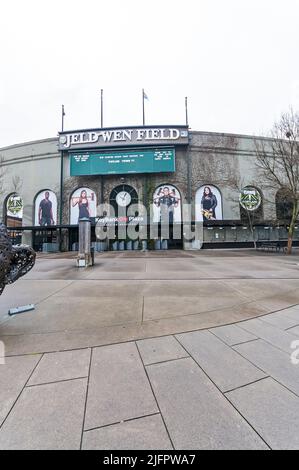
{"x":47,"y":185}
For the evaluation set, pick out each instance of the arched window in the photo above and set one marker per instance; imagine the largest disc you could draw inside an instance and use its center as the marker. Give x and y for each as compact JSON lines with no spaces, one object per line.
{"x":123,"y":196}
{"x":13,"y":209}
{"x":284,"y":204}
{"x":45,"y":208}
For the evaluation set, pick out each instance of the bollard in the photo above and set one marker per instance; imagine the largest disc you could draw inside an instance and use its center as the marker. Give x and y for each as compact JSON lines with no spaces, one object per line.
{"x":84,"y":258}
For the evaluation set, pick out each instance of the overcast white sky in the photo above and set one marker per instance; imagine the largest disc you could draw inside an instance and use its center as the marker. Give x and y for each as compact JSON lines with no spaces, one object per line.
{"x":237,"y":61}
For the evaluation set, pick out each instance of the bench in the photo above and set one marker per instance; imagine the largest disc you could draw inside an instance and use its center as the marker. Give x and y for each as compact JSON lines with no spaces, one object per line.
{"x":269,"y":246}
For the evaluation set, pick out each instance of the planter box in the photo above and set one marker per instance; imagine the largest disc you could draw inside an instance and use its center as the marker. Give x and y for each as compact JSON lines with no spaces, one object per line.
{"x":101,"y":246}
{"x":164,"y":245}
{"x":157,"y":244}
{"x":50,"y":247}
{"x":121,"y":246}
{"x":115,"y":246}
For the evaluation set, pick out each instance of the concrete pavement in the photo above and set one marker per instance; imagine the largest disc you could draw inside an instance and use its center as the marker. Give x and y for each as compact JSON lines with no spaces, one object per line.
{"x":130,"y":296}
{"x":169,"y":351}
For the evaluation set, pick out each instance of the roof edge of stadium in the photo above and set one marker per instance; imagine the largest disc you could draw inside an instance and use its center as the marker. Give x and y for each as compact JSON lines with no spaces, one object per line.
{"x":30,"y":142}
{"x":223,"y":134}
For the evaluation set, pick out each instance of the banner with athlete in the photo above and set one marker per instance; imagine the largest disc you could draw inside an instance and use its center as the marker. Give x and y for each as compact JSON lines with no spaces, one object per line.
{"x":83,"y":204}
{"x":208,"y":204}
{"x":167,"y":204}
{"x":45,"y":208}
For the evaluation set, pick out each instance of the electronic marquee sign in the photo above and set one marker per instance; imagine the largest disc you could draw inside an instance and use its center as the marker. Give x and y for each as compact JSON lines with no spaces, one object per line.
{"x":145,"y":160}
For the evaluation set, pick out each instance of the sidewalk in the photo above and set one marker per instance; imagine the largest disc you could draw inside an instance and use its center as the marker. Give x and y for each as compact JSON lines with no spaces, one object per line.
{"x":180,"y":351}
{"x":230,"y":387}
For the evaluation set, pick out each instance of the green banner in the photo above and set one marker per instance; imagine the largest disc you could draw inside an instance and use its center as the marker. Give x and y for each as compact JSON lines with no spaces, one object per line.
{"x":153,"y":160}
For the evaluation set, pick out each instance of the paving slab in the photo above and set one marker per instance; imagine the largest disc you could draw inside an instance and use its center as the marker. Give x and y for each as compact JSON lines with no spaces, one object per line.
{"x":232,"y":334}
{"x":13,"y":376}
{"x":280,"y":319}
{"x":226,"y":368}
{"x":61,"y":366}
{"x":272,"y":411}
{"x":271,"y":334}
{"x":161,"y":349}
{"x":146,"y":433}
{"x":273,"y":361}
{"x":293,"y":312}
{"x":46,"y":417}
{"x":294,"y":331}
{"x":118,"y":386}
{"x":196,"y":414}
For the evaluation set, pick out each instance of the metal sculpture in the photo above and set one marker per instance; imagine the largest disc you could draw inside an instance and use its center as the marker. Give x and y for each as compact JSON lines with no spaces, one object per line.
{"x":15,"y":261}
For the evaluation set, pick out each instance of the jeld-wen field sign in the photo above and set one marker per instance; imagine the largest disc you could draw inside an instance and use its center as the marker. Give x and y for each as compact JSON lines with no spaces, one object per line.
{"x":150,"y":160}
{"x":123,"y":137}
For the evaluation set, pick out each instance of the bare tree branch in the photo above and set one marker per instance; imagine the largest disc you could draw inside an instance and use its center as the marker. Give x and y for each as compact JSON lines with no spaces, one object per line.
{"x":277,"y":163}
